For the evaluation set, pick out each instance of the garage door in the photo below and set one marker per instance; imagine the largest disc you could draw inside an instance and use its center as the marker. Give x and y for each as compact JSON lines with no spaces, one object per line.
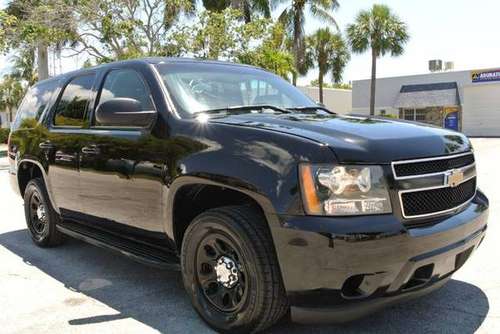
{"x":481,"y":115}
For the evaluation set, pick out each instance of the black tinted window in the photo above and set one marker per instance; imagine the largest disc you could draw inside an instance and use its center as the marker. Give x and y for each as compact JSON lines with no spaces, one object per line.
{"x":34,"y":103}
{"x":129,"y":84}
{"x":70,"y":110}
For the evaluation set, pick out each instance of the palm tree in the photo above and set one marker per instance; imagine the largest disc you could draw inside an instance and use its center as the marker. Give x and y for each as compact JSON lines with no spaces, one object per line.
{"x":24,"y":65}
{"x":173,"y":10}
{"x":382,"y":31}
{"x":246,"y":6}
{"x":293,"y":17}
{"x":11,"y":93}
{"x":50,"y":19}
{"x":330,"y":53}
{"x":216,"y":5}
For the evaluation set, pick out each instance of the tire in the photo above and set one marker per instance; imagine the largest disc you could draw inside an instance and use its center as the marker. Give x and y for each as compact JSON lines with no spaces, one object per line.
{"x":41,"y":218}
{"x":241,"y":235}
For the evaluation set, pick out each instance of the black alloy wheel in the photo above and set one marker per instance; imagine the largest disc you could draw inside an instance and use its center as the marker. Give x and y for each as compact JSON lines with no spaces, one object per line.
{"x":231,"y":272}
{"x":41,"y":218}
{"x":221,"y":275}
{"x":38,"y":220}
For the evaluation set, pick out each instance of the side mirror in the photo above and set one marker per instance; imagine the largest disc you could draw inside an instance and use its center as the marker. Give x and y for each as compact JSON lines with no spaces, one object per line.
{"x":123,"y":111}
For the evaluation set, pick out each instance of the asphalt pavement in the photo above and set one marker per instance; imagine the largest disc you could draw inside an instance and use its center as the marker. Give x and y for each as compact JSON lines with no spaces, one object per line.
{"x":78,"y":288}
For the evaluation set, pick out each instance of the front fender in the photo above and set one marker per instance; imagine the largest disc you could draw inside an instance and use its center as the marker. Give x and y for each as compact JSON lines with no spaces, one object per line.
{"x":259,"y":163}
{"x":186,"y":180}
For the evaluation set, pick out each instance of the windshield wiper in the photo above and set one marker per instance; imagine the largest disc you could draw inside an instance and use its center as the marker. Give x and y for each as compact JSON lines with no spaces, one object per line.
{"x":235,"y":109}
{"x":311,"y":108}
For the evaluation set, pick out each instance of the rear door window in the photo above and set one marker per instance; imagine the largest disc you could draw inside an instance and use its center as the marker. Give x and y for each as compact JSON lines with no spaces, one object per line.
{"x":34,"y":104}
{"x":71,"y":108}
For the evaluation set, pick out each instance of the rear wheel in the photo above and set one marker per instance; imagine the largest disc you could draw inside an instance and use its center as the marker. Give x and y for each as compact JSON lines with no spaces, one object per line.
{"x":41,"y":217}
{"x":230,"y":270}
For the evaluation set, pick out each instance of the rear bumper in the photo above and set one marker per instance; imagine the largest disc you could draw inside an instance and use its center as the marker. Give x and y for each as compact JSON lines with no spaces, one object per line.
{"x":340,"y":269}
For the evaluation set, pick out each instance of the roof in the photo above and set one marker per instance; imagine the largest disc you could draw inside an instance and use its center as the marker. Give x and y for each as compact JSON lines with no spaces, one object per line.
{"x":152,"y":60}
{"x":180,"y":60}
{"x":428,"y":95}
{"x":427,"y":87}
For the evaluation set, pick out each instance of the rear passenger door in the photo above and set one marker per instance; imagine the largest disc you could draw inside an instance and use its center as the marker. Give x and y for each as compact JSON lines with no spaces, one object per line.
{"x":119,"y":180}
{"x":63,"y":143}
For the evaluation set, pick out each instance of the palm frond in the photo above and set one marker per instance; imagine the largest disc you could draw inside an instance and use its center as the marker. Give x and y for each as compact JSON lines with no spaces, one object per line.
{"x":261,"y":6}
{"x":323,"y":15}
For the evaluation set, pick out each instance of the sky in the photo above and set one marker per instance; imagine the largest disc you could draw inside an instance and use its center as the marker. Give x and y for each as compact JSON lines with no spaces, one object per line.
{"x":463,"y":31}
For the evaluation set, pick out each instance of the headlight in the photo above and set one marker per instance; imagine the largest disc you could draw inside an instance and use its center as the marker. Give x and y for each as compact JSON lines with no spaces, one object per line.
{"x":344,"y":190}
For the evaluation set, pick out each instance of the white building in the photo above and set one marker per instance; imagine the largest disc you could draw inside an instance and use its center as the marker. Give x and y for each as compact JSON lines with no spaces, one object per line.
{"x":337,"y":100}
{"x":468,"y":101}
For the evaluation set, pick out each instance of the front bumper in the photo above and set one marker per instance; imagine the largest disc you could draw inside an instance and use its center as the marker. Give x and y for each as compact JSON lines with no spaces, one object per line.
{"x":340,"y":269}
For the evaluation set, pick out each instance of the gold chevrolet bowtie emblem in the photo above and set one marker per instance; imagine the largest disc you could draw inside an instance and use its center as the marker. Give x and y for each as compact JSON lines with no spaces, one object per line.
{"x":454,"y":178}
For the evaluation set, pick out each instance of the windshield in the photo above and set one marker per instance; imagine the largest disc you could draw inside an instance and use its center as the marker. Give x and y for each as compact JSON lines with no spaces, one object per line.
{"x":196,"y":87}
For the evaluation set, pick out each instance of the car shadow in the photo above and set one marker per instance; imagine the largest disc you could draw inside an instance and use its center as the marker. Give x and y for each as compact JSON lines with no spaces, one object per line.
{"x":157,"y":299}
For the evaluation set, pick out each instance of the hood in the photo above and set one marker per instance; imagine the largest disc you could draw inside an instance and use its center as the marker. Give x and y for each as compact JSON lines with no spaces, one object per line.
{"x":360,"y":139}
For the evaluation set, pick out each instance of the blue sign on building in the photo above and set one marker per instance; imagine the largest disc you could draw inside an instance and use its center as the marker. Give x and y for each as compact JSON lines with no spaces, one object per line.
{"x":485,"y":75}
{"x":451,"y":121}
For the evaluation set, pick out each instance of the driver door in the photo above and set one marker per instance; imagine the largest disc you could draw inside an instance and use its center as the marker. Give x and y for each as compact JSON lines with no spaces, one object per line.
{"x":120,"y":178}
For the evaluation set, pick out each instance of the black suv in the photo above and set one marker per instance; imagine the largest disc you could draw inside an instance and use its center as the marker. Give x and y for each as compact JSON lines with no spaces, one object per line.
{"x":268,"y":203}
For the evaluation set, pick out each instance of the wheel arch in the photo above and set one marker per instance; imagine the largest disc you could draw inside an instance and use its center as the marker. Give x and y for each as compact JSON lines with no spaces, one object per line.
{"x":27,"y":169}
{"x":196,"y":191}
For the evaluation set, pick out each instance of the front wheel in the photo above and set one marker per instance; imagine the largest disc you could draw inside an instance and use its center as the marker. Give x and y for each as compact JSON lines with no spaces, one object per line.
{"x":230,"y":270}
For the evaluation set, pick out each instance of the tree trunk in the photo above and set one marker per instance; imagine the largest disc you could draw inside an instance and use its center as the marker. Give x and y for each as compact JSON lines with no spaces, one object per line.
{"x":297,"y":39}
{"x":320,"y":82}
{"x":373,"y":83}
{"x":10,"y":116}
{"x":42,"y":61}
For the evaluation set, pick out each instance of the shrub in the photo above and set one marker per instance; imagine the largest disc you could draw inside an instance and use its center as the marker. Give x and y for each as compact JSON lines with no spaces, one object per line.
{"x":389,"y":116}
{"x":4,"y":135}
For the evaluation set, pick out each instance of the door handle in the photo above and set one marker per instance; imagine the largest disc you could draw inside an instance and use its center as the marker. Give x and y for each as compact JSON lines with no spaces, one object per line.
{"x":93,"y":149}
{"x":46,"y":145}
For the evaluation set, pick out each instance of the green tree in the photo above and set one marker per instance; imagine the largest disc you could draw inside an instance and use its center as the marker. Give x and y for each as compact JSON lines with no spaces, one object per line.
{"x":223,"y":36}
{"x":11,"y":94}
{"x":380,"y":30}
{"x":38,"y":25}
{"x":272,"y":54}
{"x":248,"y":7}
{"x":293,"y":17}
{"x":121,"y":29}
{"x":7,"y":24}
{"x":24,"y":65}
{"x":216,"y":5}
{"x":329,"y":53}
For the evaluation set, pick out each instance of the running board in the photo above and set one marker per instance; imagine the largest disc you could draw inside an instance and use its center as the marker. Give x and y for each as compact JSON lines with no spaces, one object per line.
{"x":137,"y":251}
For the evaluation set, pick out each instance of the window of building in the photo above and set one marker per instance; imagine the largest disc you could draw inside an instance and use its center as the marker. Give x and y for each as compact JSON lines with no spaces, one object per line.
{"x":420,"y":115}
{"x":70,"y":110}
{"x":429,"y":115}
{"x":407,"y":114}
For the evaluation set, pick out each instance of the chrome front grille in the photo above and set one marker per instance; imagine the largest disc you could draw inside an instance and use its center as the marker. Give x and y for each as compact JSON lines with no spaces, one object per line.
{"x":434,"y":186}
{"x":436,"y":165}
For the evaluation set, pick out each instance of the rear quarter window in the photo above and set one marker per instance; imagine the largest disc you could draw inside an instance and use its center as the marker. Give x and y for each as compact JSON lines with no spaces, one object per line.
{"x":72,"y":105}
{"x":34,"y":103}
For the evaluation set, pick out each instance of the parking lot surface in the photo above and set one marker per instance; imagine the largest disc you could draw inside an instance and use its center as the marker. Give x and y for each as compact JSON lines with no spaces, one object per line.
{"x":78,"y":288}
